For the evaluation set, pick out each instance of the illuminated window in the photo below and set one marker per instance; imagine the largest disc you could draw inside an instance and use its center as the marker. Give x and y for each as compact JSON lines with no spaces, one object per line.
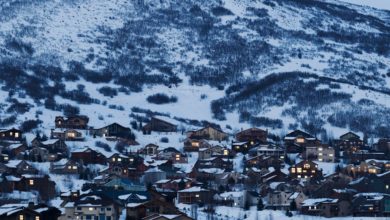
{"x":306,"y":166}
{"x":252,"y":142}
{"x":131,"y":159}
{"x":16,"y":134}
{"x":371,"y":208}
{"x":90,"y":209}
{"x":6,"y":158}
{"x":37,"y":218}
{"x":372,"y":170}
{"x":197,"y":195}
{"x":225,"y":152}
{"x":21,"y":217}
{"x":113,"y":159}
{"x":292,"y":170}
{"x":71,"y":135}
{"x":330,"y":155}
{"x":177,"y":156}
{"x":69,"y":167}
{"x":313,"y":171}
{"x":299,"y":176}
{"x":31,"y":182}
{"x":320,"y":159}
{"x":300,"y":140}
{"x":195,"y":144}
{"x":74,"y":167}
{"x":320,"y":149}
{"x":387,"y":186}
{"x":119,"y":159}
{"x":11,"y":133}
{"x":237,"y":147}
{"x":320,"y":154}
{"x":299,"y":170}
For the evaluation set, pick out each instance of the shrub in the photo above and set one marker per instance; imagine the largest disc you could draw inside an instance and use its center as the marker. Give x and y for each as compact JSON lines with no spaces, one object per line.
{"x":108,"y":91}
{"x":29,"y":125}
{"x":164,"y":140}
{"x":161,"y":98}
{"x":105,"y":146}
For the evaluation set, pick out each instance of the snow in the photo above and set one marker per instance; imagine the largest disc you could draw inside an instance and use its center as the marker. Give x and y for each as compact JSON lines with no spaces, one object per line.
{"x":193,"y":189}
{"x":379,"y":4}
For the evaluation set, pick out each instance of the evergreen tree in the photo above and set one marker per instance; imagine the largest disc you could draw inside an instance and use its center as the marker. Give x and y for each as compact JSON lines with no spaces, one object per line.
{"x":260,"y":204}
{"x":293,"y":205}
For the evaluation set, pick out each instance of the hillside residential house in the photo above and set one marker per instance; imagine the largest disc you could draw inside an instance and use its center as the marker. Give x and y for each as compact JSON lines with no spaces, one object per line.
{"x":194,"y":195}
{"x":10,"y":134}
{"x":253,"y":135}
{"x":194,"y":145}
{"x":28,"y":211}
{"x":66,"y":134}
{"x":304,"y":170}
{"x":326,"y":207}
{"x":322,"y":153}
{"x":371,"y":204}
{"x":113,"y":130}
{"x":349,"y":143}
{"x":159,"y":124}
{"x":208,"y":133}
{"x":297,"y":141}
{"x":72,"y":122}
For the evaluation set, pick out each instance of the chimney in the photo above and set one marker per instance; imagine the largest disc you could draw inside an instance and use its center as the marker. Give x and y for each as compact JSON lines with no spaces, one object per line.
{"x":30,"y":205}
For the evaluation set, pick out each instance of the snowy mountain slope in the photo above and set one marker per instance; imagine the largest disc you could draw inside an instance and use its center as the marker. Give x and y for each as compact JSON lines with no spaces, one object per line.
{"x":211,"y":55}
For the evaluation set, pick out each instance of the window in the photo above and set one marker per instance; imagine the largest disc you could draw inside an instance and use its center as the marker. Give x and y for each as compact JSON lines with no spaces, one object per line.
{"x":300,"y":140}
{"x":37,"y":218}
{"x":177,"y":156}
{"x":320,"y":154}
{"x":119,"y":159}
{"x":225,"y":152}
{"x":78,"y":208}
{"x":320,"y":149}
{"x":197,"y":195}
{"x":387,"y":186}
{"x":108,"y":209}
{"x":31,"y":182}
{"x":74,"y":167}
{"x":69,"y":167}
{"x":21,"y":217}
{"x":195,"y":144}
{"x":306,"y":166}
{"x":102,"y":209}
{"x":292,"y":170}
{"x":131,"y":159}
{"x":113,"y":159}
{"x":330,"y":155}
{"x":299,"y":170}
{"x":16,"y":134}
{"x":90,"y":209}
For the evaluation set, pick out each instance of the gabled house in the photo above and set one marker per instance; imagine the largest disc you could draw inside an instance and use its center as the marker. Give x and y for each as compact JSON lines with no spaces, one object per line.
{"x":305,"y":170}
{"x":65,"y":166}
{"x":14,"y":150}
{"x":371,"y":204}
{"x":28,"y":211}
{"x":194,"y":195}
{"x":173,"y":155}
{"x":67,"y":134}
{"x":242,"y":147}
{"x":72,"y":122}
{"x":113,"y":130}
{"x":297,"y":141}
{"x":10,"y":134}
{"x":40,"y":183}
{"x":208,"y":133}
{"x":326,"y":207}
{"x":150,"y":150}
{"x":160,"y":124}
{"x":349,"y":143}
{"x":56,"y":149}
{"x":20,"y":167}
{"x":322,"y":153}
{"x":253,"y":135}
{"x":88,"y":156}
{"x":281,"y":195}
{"x":379,"y":182}
{"x":194,"y":145}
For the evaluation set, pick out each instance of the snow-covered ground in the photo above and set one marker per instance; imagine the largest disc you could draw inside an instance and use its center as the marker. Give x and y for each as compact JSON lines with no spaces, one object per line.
{"x":380,"y":4}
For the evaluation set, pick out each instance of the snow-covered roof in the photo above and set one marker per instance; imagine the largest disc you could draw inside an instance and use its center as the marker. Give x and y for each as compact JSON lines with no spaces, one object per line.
{"x":212,"y":170}
{"x":50,"y":141}
{"x":194,"y":189}
{"x":234,"y":194}
{"x":312,"y":202}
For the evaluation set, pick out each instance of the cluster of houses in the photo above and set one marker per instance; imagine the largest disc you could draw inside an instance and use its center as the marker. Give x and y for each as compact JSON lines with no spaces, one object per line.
{"x":210,"y":168}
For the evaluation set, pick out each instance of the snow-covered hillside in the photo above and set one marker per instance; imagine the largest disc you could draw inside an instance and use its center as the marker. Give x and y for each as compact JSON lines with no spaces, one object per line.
{"x":275,"y":64}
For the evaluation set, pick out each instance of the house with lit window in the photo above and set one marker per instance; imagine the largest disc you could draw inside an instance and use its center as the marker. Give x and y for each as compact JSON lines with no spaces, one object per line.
{"x":378,"y":182}
{"x":72,"y":122}
{"x":322,"y":153}
{"x":67,"y":134}
{"x":326,"y":207}
{"x":10,"y":134}
{"x":28,"y":211}
{"x":208,"y":133}
{"x":242,"y":147}
{"x":194,"y":145}
{"x":349,"y":143}
{"x":173,"y":155}
{"x":149,"y":150}
{"x":305,"y":170}
{"x":194,"y":195}
{"x":297,"y":141}
{"x":65,"y":166}
{"x":160,"y":124}
{"x":371,"y":204}
{"x":253,"y":135}
{"x":40,"y":183}
{"x":91,"y":206}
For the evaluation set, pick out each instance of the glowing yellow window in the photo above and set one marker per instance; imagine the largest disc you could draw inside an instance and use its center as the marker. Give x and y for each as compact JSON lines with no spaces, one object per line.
{"x":195,"y":144}
{"x":74,"y":167}
{"x":197,"y":195}
{"x":69,"y":167}
{"x":21,"y":217}
{"x":119,"y":159}
{"x":31,"y":182}
{"x":292,"y":170}
{"x":225,"y":152}
{"x":177,"y":156}
{"x":306,"y":166}
{"x":16,"y":134}
{"x":320,"y":149}
{"x":300,"y":140}
{"x":90,"y":209}
{"x":113,"y":159}
{"x":299,"y":170}
{"x":37,"y":218}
